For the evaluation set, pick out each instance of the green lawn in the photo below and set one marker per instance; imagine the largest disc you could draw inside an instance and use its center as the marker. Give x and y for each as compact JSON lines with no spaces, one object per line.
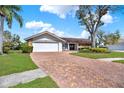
{"x":45,"y":82}
{"x":15,"y":62}
{"x":119,"y":61}
{"x":101,"y":55}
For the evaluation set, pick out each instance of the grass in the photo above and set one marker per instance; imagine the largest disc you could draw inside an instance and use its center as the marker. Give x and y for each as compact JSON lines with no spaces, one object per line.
{"x":101,"y":55}
{"x":45,"y":82}
{"x":15,"y":62}
{"x":119,"y":61}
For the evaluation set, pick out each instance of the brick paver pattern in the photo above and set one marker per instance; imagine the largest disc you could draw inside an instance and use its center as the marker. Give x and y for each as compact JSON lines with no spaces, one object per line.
{"x":71,"y":71}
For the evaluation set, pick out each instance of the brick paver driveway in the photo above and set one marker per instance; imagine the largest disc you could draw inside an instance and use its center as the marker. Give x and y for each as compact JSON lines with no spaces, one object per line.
{"x":73,"y":71}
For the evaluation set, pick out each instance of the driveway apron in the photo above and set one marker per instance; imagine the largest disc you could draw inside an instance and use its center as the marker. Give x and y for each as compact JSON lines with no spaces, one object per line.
{"x":73,"y":71}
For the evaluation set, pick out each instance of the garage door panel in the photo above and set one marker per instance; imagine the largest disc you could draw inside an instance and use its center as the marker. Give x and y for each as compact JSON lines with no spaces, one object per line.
{"x":45,"y":47}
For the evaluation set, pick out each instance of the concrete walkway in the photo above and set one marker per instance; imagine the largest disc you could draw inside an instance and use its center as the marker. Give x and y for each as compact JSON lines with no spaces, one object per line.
{"x":110,"y":59}
{"x":23,"y":77}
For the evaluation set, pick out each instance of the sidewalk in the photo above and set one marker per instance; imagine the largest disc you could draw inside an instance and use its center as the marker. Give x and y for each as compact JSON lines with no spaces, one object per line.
{"x":23,"y":77}
{"x":110,"y":59}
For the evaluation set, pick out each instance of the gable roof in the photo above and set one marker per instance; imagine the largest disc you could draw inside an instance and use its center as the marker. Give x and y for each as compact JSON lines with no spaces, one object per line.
{"x":63,"y":39}
{"x":45,"y":32}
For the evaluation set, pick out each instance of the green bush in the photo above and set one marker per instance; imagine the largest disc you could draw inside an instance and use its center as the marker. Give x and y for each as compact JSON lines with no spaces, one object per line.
{"x":25,"y":48}
{"x":96,"y":50}
{"x":6,"y":50}
{"x":6,"y":47}
{"x":99,"y":50}
{"x":15,"y":51}
{"x":15,"y":46}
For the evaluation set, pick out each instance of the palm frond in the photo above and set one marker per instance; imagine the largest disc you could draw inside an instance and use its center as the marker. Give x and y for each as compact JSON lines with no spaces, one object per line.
{"x":10,"y":12}
{"x":18,"y":18}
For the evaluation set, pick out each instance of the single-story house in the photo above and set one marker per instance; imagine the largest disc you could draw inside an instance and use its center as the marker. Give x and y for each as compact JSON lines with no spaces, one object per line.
{"x":118,"y":46}
{"x":49,"y":42}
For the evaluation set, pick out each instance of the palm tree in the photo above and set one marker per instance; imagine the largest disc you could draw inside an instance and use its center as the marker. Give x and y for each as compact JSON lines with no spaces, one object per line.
{"x":8,"y":13}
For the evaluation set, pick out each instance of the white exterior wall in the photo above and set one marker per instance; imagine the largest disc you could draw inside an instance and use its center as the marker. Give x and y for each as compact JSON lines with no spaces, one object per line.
{"x":46,"y":43}
{"x":60,"y":47}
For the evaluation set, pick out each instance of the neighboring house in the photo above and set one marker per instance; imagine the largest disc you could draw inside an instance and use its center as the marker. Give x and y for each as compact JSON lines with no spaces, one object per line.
{"x":118,"y":46}
{"x":49,"y":42}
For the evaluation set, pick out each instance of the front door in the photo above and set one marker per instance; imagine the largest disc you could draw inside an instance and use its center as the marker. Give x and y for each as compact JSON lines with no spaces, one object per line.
{"x":71,"y":46}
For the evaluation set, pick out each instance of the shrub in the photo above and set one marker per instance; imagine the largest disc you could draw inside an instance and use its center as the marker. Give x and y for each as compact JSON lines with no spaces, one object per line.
{"x":6,"y":47}
{"x":25,"y":48}
{"x":15,"y":46}
{"x":99,"y":50}
{"x":15,"y":51}
{"x":6,"y":50}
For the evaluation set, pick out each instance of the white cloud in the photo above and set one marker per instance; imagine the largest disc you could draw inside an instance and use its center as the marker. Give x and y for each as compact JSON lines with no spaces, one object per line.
{"x":85,"y":34}
{"x":107,"y":18}
{"x":36,"y":25}
{"x":60,"y":10}
{"x":39,"y":25}
{"x":53,"y":30}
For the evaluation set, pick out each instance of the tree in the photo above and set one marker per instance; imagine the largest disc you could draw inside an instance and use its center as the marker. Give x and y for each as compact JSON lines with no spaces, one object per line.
{"x":15,"y":41}
{"x":108,"y":39}
{"x":90,"y":17}
{"x":112,"y":38}
{"x":7,"y":37}
{"x":116,"y":37}
{"x":12,"y":40}
{"x":8,"y":13}
{"x":101,"y":38}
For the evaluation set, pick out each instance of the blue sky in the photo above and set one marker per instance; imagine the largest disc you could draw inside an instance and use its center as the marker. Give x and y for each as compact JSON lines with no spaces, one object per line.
{"x":61,"y":21}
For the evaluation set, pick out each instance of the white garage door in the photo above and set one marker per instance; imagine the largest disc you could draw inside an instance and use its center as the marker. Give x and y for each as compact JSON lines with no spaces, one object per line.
{"x":45,"y":47}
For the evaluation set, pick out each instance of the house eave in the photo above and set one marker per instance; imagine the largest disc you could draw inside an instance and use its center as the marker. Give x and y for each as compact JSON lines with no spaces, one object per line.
{"x":45,"y":32}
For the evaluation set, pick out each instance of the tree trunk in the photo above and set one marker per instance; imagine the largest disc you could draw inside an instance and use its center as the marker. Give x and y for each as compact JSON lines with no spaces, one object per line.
{"x":93,"y":40}
{"x":1,"y":33}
